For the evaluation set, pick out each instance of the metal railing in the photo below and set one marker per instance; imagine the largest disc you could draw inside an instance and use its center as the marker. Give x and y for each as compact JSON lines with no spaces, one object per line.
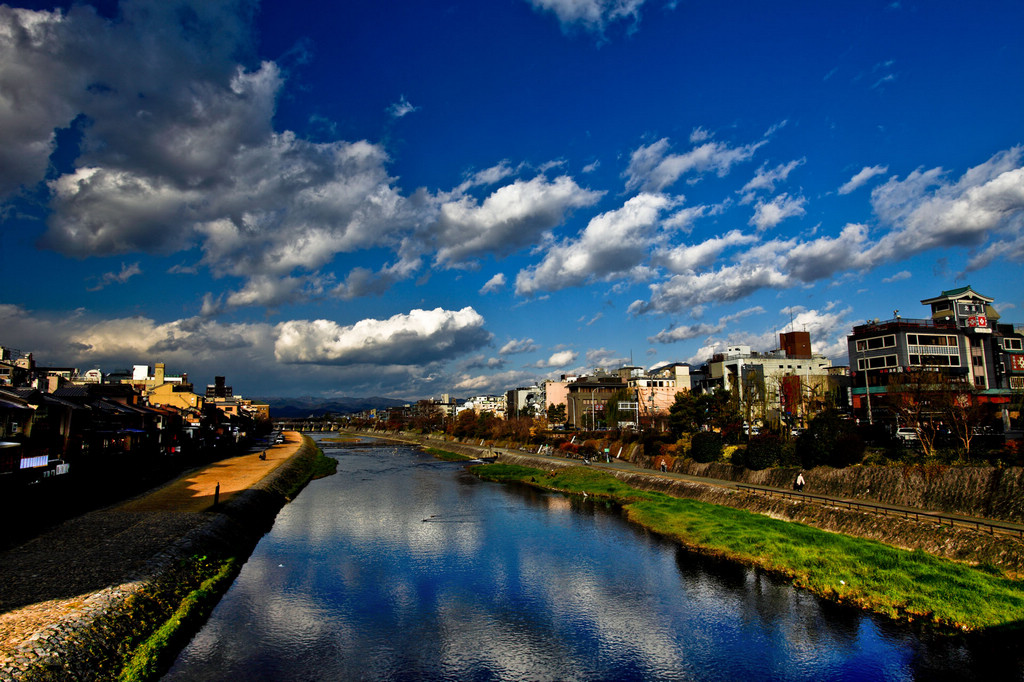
{"x":916,"y":514}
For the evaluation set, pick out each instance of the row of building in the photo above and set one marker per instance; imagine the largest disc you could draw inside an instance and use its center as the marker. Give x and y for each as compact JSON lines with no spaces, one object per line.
{"x":53,"y":417}
{"x":962,"y":340}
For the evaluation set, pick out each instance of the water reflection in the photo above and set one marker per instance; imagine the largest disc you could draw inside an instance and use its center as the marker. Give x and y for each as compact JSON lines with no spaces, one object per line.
{"x":404,"y":567}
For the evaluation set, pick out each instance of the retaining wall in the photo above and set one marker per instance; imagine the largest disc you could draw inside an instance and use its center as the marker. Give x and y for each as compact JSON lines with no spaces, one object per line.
{"x":985,"y":492}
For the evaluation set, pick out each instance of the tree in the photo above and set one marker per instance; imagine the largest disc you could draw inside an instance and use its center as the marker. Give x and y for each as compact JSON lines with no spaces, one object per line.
{"x":465,"y":424}
{"x":706,"y":411}
{"x":754,"y":403}
{"x":911,"y":397}
{"x":612,"y":412}
{"x":829,"y":440}
{"x":683,"y":415}
{"x":557,"y":413}
{"x":706,"y":446}
{"x":763,"y":451}
{"x":962,"y":411}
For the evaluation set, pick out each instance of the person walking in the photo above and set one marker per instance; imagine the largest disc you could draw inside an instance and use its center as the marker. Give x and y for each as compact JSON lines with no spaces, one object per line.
{"x":799,"y":485}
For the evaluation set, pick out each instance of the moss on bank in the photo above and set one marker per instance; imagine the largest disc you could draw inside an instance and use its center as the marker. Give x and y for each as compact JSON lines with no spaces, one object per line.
{"x":154,"y":655}
{"x":901,"y":584}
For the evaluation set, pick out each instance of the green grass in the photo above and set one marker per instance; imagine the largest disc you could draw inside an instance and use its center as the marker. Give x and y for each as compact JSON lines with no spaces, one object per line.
{"x":150,"y":658}
{"x":905,"y":585}
{"x":446,"y":455}
{"x":323,"y":465}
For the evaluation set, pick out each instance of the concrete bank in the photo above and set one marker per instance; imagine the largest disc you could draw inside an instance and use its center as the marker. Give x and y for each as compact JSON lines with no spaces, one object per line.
{"x":82,"y":637}
{"x":958,"y":544}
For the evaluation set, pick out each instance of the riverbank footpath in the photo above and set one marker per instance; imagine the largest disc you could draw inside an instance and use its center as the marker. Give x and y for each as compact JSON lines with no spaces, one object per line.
{"x":63,"y":593}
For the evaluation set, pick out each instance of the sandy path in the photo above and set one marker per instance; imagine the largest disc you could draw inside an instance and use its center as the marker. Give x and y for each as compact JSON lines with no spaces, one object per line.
{"x":195,"y":491}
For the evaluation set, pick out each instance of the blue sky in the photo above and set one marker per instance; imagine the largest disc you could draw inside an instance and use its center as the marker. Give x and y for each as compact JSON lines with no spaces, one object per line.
{"x":415,"y":198}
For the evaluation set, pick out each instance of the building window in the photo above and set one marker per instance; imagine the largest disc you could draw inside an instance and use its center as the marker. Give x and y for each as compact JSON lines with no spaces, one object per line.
{"x":1013,"y":344}
{"x":876,"y":342}
{"x":919,"y":360}
{"x":931,"y":340}
{"x":877,"y":362}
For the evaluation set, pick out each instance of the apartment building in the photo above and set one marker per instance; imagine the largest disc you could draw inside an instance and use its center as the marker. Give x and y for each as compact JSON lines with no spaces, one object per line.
{"x":962,"y":339}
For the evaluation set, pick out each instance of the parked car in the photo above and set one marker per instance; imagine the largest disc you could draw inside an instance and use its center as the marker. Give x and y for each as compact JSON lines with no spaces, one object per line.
{"x":906,"y":434}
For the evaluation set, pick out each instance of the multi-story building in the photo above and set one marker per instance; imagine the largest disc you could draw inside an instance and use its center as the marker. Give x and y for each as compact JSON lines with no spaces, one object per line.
{"x":495,"y":404}
{"x":525,"y":401}
{"x":588,"y":397}
{"x":962,"y":339}
{"x":655,"y":390}
{"x":786,"y":384}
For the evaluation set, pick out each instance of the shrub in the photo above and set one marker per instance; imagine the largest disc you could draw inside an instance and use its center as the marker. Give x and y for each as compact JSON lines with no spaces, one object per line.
{"x":829,"y":440}
{"x":706,"y":446}
{"x":764,"y":450}
{"x":652,"y":445}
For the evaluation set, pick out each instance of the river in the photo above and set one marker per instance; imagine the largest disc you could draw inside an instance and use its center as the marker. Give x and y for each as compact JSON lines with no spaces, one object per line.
{"x":403,"y":567}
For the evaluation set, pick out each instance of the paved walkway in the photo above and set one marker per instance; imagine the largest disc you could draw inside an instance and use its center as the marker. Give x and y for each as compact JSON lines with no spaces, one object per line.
{"x":48,"y":579}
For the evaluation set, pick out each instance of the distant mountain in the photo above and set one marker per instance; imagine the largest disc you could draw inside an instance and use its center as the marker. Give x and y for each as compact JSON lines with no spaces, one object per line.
{"x":307,"y":406}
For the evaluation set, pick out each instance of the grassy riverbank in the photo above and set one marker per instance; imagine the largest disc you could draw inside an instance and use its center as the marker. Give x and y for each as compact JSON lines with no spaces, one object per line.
{"x":447,"y":456}
{"x":898,"y":583}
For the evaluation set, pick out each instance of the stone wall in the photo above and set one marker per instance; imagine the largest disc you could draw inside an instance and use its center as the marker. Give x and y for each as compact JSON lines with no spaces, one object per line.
{"x":986,"y":492}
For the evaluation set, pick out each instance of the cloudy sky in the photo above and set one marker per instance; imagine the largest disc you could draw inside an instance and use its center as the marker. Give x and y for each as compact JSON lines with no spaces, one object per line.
{"x":406,"y":198}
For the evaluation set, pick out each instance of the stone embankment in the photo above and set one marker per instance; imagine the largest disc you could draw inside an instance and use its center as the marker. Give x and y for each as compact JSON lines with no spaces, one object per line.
{"x":984,"y":492}
{"x":955,"y":543}
{"x":66,"y":595}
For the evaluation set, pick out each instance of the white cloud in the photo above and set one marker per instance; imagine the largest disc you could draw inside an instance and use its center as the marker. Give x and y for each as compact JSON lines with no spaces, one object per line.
{"x":652,"y":168}
{"x":517,"y":346}
{"x":401,"y":108}
{"x":591,"y":15}
{"x":862,"y":177}
{"x":685,"y":333}
{"x":495,"y":283}
{"x":614,"y":244}
{"x":560,"y":359}
{"x":766,"y":179}
{"x":688,"y":258}
{"x":177,"y":145}
{"x":681,"y":293}
{"x":926,"y":211}
{"x":492,"y":384}
{"x":984,"y":208}
{"x":822,"y":257}
{"x":126,"y":273}
{"x":606,"y":359}
{"x":898,"y":277}
{"x":420,"y":337}
{"x":693,"y":331}
{"x":513,"y":217}
{"x":769,"y":214}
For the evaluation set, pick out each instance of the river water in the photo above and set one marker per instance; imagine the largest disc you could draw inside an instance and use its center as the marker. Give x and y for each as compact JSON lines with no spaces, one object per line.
{"x":403,"y":567}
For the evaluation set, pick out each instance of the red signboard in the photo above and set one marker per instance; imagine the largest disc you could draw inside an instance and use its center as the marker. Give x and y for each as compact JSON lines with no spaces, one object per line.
{"x":977,"y":321}
{"x":1017,"y":363}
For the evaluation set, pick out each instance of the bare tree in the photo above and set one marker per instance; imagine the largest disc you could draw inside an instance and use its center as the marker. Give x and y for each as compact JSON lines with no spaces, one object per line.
{"x":912,"y":395}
